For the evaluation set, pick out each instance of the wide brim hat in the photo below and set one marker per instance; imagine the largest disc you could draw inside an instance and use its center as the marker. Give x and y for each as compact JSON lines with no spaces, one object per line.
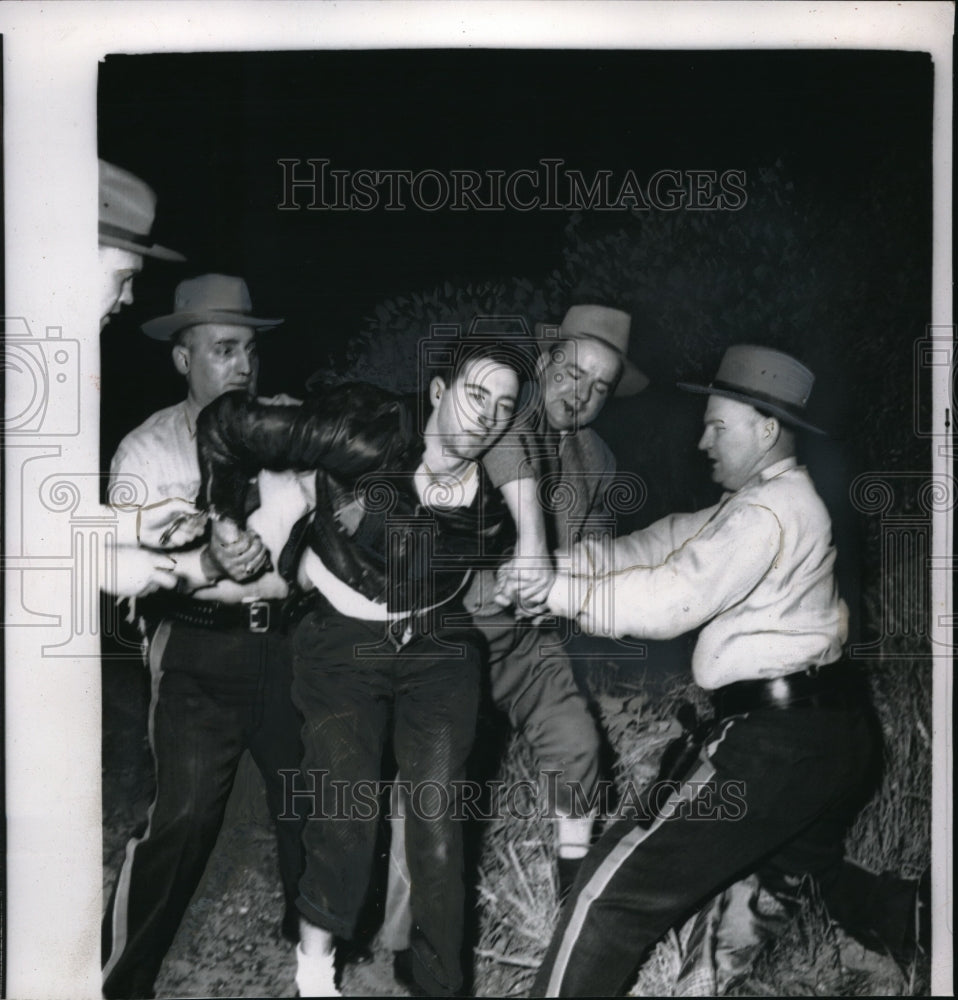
{"x":610,"y":327}
{"x":126,"y":212}
{"x":769,"y":380}
{"x":210,"y":298}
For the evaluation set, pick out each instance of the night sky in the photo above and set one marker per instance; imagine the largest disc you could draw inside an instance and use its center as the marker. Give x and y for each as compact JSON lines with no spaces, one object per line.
{"x":207,"y":130}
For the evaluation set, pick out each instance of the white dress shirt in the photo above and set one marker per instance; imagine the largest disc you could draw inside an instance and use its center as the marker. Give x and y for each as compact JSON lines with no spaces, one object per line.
{"x":756,"y":571}
{"x":160,"y":457}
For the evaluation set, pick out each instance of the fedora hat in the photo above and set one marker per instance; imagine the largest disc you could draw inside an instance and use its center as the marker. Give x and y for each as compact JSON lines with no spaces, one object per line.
{"x":127,"y":209}
{"x":769,"y":380}
{"x":608,"y":326}
{"x":210,"y":298}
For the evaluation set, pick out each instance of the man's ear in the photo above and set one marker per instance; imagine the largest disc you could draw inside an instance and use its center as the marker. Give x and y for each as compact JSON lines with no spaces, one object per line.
{"x":436,"y":388}
{"x":181,"y":358}
{"x":771,"y":430}
{"x":542,"y":361}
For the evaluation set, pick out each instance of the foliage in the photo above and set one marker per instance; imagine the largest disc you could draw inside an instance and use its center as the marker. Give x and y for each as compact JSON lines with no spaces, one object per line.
{"x":840,"y":281}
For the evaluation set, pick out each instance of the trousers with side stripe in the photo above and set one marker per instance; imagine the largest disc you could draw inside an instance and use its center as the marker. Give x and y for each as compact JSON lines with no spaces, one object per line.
{"x":215,"y":693}
{"x":774,"y":792}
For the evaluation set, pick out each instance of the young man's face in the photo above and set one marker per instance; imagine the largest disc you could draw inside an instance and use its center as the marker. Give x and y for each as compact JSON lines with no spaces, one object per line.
{"x":217,"y":358}
{"x":476,"y":409}
{"x":577,"y":378}
{"x":118,"y":268}
{"x":735,"y":441}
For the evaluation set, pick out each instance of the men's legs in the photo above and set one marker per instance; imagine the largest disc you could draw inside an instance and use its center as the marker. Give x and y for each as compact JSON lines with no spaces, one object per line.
{"x":276,"y":746}
{"x":196,"y":742}
{"x":345,"y":703}
{"x":532,"y":681}
{"x":879,"y":909}
{"x":437,"y":700}
{"x":766,"y":778}
{"x":397,"y":918}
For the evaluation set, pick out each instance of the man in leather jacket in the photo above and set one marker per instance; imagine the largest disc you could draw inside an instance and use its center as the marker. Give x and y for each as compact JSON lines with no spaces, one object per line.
{"x":404,"y":512}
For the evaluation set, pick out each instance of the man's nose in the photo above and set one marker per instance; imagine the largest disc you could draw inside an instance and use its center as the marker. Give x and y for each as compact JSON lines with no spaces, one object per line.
{"x":487,"y":418}
{"x":703,"y":441}
{"x":126,"y":293}
{"x":583,"y":393}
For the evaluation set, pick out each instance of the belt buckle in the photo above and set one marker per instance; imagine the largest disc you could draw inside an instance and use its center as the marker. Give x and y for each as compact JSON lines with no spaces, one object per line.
{"x":258,"y":615}
{"x":780,"y":691}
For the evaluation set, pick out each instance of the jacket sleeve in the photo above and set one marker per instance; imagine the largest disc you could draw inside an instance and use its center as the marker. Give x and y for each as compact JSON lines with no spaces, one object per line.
{"x":597,"y":516}
{"x":349,"y":430}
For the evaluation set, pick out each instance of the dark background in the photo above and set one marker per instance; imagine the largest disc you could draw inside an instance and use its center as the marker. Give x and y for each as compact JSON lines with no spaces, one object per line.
{"x":836,"y":145}
{"x":206,"y":130}
{"x":842,"y":140}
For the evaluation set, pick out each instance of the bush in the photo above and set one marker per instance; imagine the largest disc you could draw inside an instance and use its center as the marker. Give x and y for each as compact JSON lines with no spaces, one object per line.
{"x":846,"y":288}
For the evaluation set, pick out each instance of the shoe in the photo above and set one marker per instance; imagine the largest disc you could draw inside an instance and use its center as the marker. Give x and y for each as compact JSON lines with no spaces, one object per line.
{"x":316,"y":974}
{"x":353,"y":953}
{"x":402,"y":970}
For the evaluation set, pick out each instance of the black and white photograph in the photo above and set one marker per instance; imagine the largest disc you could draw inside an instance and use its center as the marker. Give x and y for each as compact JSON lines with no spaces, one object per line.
{"x":484,"y":527}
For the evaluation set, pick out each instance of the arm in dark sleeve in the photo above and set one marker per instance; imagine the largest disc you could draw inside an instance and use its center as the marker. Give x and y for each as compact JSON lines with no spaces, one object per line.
{"x":349,"y":430}
{"x":601,"y":482}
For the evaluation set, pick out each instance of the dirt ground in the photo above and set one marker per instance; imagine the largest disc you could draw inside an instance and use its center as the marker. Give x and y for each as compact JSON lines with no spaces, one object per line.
{"x":229,"y":943}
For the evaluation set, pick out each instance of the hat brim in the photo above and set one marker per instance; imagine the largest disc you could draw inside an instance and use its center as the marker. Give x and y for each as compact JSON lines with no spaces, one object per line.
{"x":146,"y":250}
{"x":164,"y":327}
{"x":632,"y":380}
{"x":760,"y":404}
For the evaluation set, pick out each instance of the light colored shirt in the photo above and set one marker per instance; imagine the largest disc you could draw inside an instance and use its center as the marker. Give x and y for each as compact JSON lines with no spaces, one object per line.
{"x":756,"y":570}
{"x":159,"y":462}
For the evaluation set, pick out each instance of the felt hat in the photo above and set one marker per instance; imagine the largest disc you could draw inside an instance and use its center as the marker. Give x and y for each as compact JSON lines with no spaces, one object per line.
{"x":608,"y":326}
{"x":127,"y":209}
{"x":769,"y":380}
{"x":210,"y":298}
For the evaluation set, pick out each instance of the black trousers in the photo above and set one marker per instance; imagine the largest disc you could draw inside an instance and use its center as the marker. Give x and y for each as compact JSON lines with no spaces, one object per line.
{"x":214,"y":695}
{"x":355,"y":688}
{"x":774,"y":792}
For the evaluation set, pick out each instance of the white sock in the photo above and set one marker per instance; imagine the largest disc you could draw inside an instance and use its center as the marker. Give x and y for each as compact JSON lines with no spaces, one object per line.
{"x":316,"y":974}
{"x":573,"y":836}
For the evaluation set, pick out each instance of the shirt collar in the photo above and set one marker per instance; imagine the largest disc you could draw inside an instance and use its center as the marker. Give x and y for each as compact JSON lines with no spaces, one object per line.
{"x":771,"y":471}
{"x":190,"y":411}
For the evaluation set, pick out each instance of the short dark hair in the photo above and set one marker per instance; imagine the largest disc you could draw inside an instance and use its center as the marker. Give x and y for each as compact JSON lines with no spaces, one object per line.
{"x":518,"y":354}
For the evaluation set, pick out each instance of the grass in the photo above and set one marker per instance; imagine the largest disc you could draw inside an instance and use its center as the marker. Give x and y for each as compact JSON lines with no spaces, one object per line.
{"x":518,"y":906}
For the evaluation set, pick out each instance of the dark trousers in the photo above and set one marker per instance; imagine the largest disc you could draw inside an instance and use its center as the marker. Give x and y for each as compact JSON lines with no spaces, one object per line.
{"x":355,"y":687}
{"x":773,"y":793}
{"x":214,"y":695}
{"x":531,"y":680}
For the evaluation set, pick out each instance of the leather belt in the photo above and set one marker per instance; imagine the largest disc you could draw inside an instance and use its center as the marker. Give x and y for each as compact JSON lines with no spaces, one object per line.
{"x":256,"y":616}
{"x":834,"y":686}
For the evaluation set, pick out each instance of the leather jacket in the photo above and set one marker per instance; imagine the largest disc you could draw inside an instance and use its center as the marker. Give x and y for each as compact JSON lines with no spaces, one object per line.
{"x":365,"y":447}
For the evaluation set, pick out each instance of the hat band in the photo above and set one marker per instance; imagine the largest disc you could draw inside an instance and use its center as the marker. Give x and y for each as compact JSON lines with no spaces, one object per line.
{"x":583,"y":335}
{"x":757,"y":394}
{"x":118,"y":232}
